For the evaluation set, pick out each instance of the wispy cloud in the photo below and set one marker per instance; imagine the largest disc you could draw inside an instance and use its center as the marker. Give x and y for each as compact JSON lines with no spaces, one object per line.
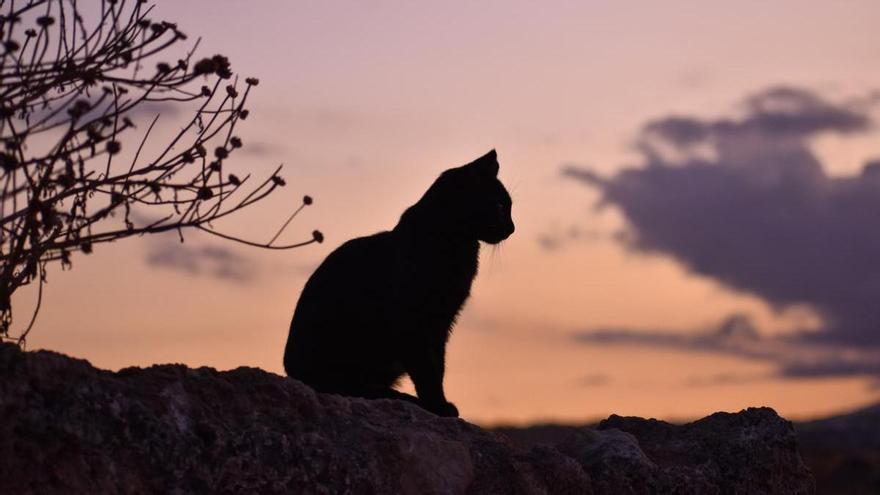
{"x":594,"y":380}
{"x":195,"y":258}
{"x":795,"y":356}
{"x":725,"y":379}
{"x":555,"y":238}
{"x":262,"y":149}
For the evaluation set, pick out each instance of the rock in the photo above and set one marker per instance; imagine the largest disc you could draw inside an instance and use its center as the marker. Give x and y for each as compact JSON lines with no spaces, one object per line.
{"x":613,"y":458}
{"x":70,"y":428}
{"x":753,"y":451}
{"x":66,"y":427}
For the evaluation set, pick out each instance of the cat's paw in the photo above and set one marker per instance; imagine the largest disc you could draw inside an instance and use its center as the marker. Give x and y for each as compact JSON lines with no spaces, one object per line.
{"x":446,"y":409}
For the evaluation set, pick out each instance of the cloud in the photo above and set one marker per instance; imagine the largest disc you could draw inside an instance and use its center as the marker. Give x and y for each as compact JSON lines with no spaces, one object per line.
{"x":735,"y":335}
{"x":794,"y":357}
{"x":594,"y":380}
{"x":745,"y":201}
{"x":724,"y":379}
{"x":198,"y":257}
{"x":142,"y":114}
{"x":195,"y":259}
{"x":262,"y":149}
{"x":556,"y":238}
{"x":833,"y":366}
{"x":146,"y":111}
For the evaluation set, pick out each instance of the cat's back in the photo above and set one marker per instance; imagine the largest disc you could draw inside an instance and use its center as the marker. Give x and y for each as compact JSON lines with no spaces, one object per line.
{"x":355,"y":266}
{"x":353,"y":277}
{"x":345,"y":299}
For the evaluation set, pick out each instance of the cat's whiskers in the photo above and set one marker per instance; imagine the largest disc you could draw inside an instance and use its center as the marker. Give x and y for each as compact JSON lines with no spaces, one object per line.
{"x":495,"y":256}
{"x":512,"y":190}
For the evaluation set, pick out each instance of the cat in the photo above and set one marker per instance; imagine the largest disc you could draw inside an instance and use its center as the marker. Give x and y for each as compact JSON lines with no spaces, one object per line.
{"x":382,"y":306}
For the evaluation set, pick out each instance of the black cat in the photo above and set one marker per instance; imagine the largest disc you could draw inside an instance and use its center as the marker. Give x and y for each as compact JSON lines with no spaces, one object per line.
{"x":384,"y":305}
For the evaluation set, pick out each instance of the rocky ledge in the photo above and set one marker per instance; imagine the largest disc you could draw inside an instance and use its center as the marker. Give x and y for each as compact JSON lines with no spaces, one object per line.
{"x":67,"y":427}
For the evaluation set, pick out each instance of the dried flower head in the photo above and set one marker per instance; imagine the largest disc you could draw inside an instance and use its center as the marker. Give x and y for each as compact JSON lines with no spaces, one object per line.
{"x":205,"y":193}
{"x":45,"y":21}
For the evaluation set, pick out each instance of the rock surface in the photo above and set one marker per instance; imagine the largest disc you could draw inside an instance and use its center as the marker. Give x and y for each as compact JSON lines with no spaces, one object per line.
{"x":66,"y":427}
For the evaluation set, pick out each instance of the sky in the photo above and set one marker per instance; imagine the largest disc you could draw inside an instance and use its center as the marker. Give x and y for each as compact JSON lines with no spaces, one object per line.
{"x":694,"y":187}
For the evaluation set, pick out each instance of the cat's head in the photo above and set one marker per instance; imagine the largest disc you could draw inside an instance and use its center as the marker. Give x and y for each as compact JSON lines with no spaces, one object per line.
{"x":469,"y":201}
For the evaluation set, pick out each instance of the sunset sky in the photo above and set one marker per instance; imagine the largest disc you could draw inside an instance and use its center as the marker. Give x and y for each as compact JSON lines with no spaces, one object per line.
{"x":693,"y":188}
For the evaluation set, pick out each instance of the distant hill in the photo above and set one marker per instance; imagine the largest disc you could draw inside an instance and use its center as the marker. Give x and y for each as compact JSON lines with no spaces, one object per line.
{"x":844,"y":451}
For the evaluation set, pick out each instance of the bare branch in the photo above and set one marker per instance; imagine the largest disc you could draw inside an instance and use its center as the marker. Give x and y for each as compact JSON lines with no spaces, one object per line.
{"x":70,"y":92}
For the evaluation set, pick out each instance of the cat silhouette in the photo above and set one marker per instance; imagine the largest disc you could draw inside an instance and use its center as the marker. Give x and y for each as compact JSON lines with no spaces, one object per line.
{"x":382,"y":306}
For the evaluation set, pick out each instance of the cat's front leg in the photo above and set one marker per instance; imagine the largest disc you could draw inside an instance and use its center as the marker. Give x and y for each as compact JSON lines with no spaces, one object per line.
{"x":425,"y":364}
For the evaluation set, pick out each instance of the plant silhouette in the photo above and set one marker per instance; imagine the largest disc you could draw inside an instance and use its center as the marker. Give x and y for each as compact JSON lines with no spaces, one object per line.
{"x":71,"y":86}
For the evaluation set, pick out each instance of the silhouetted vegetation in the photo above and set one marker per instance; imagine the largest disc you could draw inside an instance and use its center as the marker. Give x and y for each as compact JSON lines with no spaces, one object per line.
{"x":72,"y":78}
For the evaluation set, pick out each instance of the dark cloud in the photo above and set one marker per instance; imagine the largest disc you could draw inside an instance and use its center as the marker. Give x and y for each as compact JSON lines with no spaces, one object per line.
{"x":680,"y":131}
{"x":795,"y":112}
{"x":195,"y":259}
{"x":780,"y":113}
{"x":833,"y":366}
{"x":745,"y":201}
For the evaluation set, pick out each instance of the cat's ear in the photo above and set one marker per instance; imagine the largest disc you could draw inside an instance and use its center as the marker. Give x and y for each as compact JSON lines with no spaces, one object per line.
{"x":486,"y":164}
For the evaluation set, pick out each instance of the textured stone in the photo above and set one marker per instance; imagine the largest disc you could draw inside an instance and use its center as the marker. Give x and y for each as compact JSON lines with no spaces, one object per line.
{"x":753,"y":451}
{"x":66,"y":427}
